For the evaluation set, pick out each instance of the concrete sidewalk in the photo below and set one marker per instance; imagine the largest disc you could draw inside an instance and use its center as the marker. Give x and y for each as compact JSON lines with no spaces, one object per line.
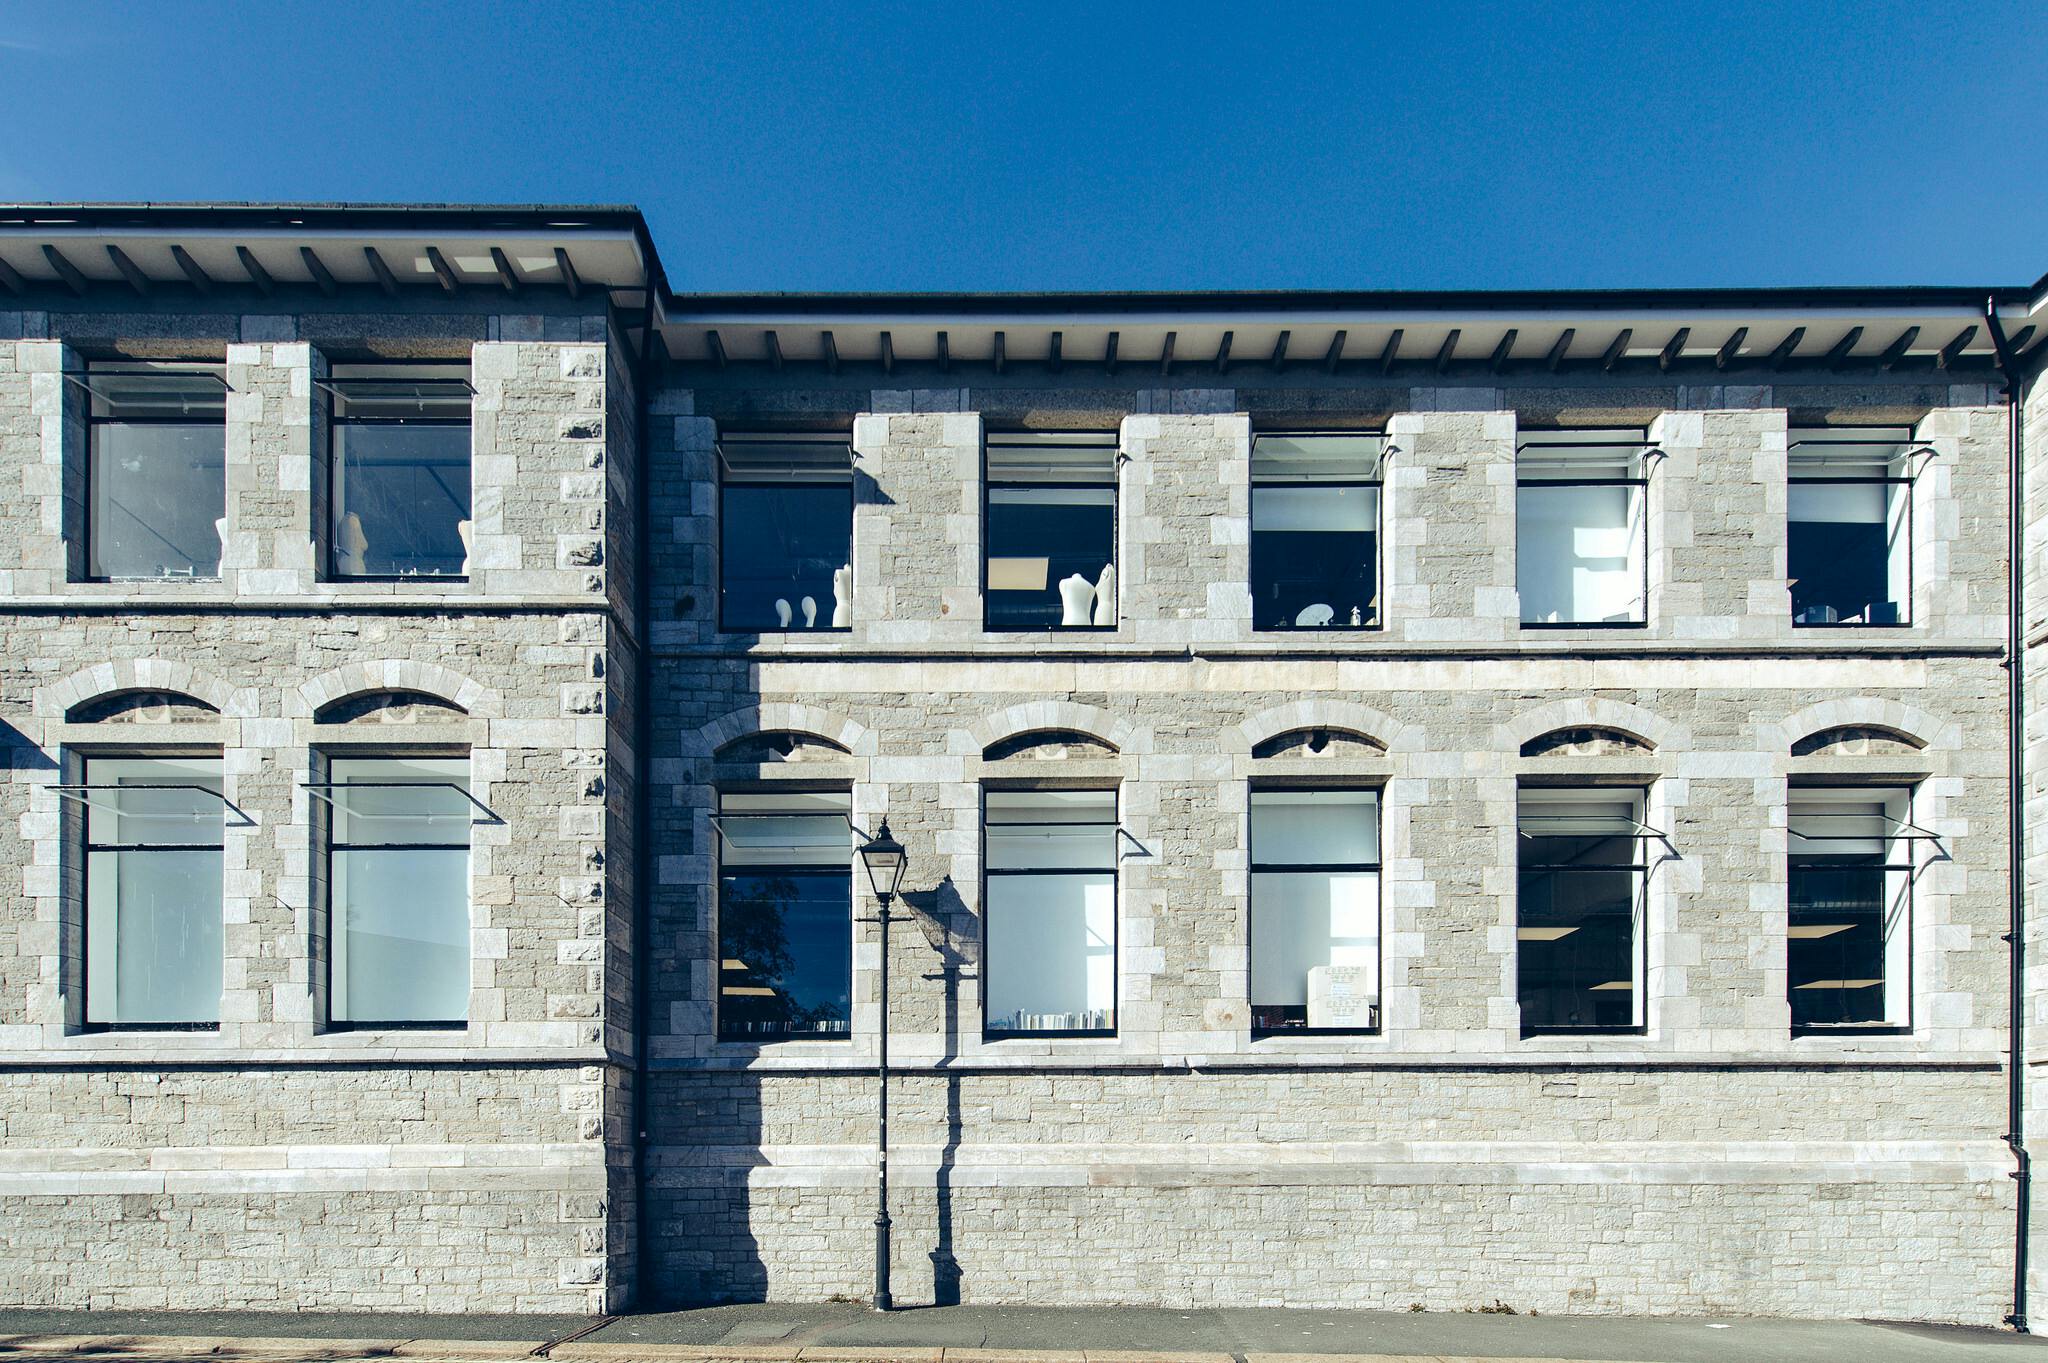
{"x":848,"y":1333}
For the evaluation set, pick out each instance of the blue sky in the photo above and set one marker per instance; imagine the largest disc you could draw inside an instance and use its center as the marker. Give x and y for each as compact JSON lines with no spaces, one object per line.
{"x":1092,"y":146}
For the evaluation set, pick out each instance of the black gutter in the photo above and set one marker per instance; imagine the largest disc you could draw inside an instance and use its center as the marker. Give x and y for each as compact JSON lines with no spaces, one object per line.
{"x":2016,"y":829}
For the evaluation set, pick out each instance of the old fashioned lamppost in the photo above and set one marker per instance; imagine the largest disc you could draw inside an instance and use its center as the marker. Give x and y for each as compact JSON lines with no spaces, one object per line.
{"x":883,"y":857}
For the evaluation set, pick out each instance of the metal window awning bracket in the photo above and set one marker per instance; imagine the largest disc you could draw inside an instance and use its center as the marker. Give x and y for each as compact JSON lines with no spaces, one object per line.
{"x":88,"y":378}
{"x":83,"y":795}
{"x":319,"y":791}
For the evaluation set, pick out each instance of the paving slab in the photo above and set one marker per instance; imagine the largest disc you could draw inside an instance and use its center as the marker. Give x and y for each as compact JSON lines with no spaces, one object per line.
{"x":845,"y":1332}
{"x":296,"y":1325}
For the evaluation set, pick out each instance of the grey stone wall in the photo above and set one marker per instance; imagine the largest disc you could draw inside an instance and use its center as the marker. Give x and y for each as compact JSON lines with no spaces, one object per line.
{"x":1713,"y":1163}
{"x":277,"y":1161}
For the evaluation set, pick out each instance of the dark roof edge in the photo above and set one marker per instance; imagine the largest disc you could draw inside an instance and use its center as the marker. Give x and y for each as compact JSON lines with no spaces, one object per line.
{"x":353,"y":216}
{"x":1317,"y":300}
{"x":368,"y":216}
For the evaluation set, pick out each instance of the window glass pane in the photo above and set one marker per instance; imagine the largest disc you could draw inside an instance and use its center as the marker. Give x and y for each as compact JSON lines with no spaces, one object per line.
{"x":1580,"y":553}
{"x":1315,"y":827}
{"x":782,"y":549}
{"x":399,"y":888}
{"x":404,"y":801}
{"x":1315,"y":557}
{"x":1051,"y":532}
{"x":785,"y":829}
{"x":1310,"y":458}
{"x":1051,"y":952}
{"x":785,"y":918}
{"x":153,"y":936}
{"x":1040,"y":538}
{"x":1545,"y":456}
{"x":401,"y":947}
{"x":1051,"y":829}
{"x":785,"y":943}
{"x":154,"y":801}
{"x":157,"y":491}
{"x":401,"y":499}
{"x":1315,"y":950}
{"x":1087,"y":457}
{"x":1848,"y":885}
{"x":1579,"y":896}
{"x":1848,"y":552}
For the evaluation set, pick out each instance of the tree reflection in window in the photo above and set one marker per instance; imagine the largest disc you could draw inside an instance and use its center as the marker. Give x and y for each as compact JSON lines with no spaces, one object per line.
{"x":785,"y":931}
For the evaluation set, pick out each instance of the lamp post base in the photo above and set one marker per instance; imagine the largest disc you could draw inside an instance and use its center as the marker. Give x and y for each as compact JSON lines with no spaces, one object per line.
{"x":883,"y":1300}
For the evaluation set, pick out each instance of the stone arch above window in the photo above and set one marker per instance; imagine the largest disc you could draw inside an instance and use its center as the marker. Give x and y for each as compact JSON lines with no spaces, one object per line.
{"x":1803,"y":732}
{"x":141,"y":707}
{"x":1590,"y":740}
{"x":1856,"y":740}
{"x":781,"y":745}
{"x":1261,"y":734}
{"x":1048,"y":745}
{"x":1324,"y":741}
{"x":389,"y":707}
{"x":128,"y":676}
{"x":1051,"y":716}
{"x":358,"y":679}
{"x":714,"y":738}
{"x":1648,"y":731}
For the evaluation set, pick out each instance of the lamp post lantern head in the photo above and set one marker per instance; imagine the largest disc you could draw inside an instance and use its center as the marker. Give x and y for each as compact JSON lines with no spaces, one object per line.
{"x":883,"y":856}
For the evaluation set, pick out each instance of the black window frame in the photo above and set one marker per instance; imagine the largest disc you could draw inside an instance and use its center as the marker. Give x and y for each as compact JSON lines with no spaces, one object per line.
{"x":1644,"y":451}
{"x":1254,"y":867}
{"x":86,"y":847}
{"x":330,"y":547}
{"x":1641,"y":868}
{"x":720,"y":870}
{"x":721,"y":471}
{"x":93,"y":424}
{"x":990,"y":1034}
{"x":1793,"y":480}
{"x":1896,"y":846}
{"x":1116,"y":503}
{"x":329,"y":846}
{"x":1378,"y":485}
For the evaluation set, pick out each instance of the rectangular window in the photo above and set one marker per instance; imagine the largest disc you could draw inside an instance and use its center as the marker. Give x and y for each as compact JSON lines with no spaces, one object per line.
{"x":398,"y":502}
{"x":1579,"y":910}
{"x":1050,"y":963}
{"x":1051,"y":526}
{"x":785,"y":916}
{"x":1849,"y":513}
{"x":1316,"y":531}
{"x":152,"y":892}
{"x":1581,"y":528}
{"x":785,"y":532}
{"x":1315,"y":915}
{"x":156,"y":470}
{"x":398,"y":891}
{"x":1849,"y":908}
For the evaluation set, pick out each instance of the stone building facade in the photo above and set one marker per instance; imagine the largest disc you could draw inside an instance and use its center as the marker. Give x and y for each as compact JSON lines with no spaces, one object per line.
{"x":594,"y":1133}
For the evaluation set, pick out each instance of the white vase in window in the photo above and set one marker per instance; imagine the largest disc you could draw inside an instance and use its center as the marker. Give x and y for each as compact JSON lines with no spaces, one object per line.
{"x":462,"y":528}
{"x":842,"y":596}
{"x":1105,"y":596}
{"x":1076,"y":593}
{"x":782,"y":612}
{"x":810,"y":605}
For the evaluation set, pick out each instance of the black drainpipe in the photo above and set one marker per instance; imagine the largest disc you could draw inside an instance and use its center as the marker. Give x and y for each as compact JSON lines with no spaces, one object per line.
{"x":2015,"y":681}
{"x":643,"y":807}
